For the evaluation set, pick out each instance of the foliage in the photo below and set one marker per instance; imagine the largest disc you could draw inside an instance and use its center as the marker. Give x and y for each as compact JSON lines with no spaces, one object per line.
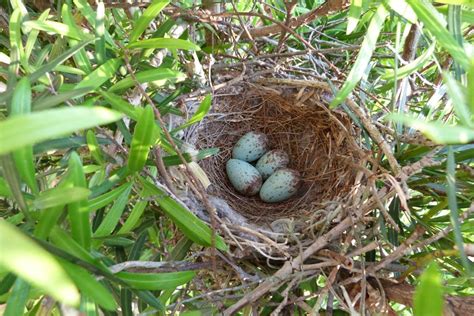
{"x":78,"y":158}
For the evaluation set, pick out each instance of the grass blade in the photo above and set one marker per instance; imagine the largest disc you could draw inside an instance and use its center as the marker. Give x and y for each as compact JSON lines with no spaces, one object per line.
{"x":56,"y":28}
{"x":201,"y":112}
{"x":40,"y":126}
{"x":53,"y":100}
{"x":18,"y":298}
{"x":365,"y":54}
{"x":428,"y":298}
{"x":158,"y":76}
{"x":94,"y":147}
{"x":100,"y":75}
{"x":60,"y":197}
{"x":35,"y":265}
{"x":355,"y":11}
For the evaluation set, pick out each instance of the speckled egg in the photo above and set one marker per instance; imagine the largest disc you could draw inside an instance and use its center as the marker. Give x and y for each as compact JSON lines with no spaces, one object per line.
{"x":272,"y":161}
{"x":244,"y":177}
{"x":250,"y":147}
{"x":280,"y":186}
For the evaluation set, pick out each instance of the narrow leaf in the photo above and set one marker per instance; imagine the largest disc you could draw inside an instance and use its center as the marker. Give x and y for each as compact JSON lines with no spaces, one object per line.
{"x":56,"y":28}
{"x":428,"y":298}
{"x":94,"y":147}
{"x":35,"y":265}
{"x":60,"y":197}
{"x":143,"y":139}
{"x":148,"y":15}
{"x":100,"y":75}
{"x":201,"y":112}
{"x":39,"y":126}
{"x":53,"y":100}
{"x":169,"y":43}
{"x":158,"y":76}
{"x":365,"y":54}
{"x":18,"y":298}
{"x":156,"y":281}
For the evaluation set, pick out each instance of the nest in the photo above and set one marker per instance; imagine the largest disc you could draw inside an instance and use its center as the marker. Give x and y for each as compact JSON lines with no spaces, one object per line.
{"x":321,"y":144}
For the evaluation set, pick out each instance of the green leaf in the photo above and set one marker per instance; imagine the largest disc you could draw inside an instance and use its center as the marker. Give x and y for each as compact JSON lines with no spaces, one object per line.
{"x":115,"y":213}
{"x":99,"y":32}
{"x":33,"y":35}
{"x":100,"y":75}
{"x":47,"y":221}
{"x":106,"y":198}
{"x":57,"y":61}
{"x":16,"y":45}
{"x":23,"y":157}
{"x":94,"y":147}
{"x":189,"y":224}
{"x":169,"y":43}
{"x":428,"y":297}
{"x":158,"y":76}
{"x":35,"y":265}
{"x":365,"y":54}
{"x":437,"y":131}
{"x":23,"y":130}
{"x":56,"y":28}
{"x":89,"y":286}
{"x":453,"y":207}
{"x":118,"y":104}
{"x":403,"y":9}
{"x":133,"y":218}
{"x":148,"y":15}
{"x":60,"y":197}
{"x":78,"y":212}
{"x":355,"y":11}
{"x":433,"y":22}
{"x":18,"y":298}
{"x":53,"y":100}
{"x":412,"y":67}
{"x":470,"y":92}
{"x":457,"y":94}
{"x":156,"y":281}
{"x":143,"y":139}
{"x":65,"y":242}
{"x":201,"y":112}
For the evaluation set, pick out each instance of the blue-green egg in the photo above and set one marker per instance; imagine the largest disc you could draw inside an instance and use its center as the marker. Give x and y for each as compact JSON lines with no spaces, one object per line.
{"x":280,"y":186}
{"x":250,"y":147}
{"x":244,"y":177}
{"x":272,"y":161}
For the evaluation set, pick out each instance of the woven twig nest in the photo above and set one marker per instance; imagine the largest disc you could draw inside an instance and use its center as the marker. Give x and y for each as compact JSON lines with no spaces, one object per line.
{"x":321,"y":144}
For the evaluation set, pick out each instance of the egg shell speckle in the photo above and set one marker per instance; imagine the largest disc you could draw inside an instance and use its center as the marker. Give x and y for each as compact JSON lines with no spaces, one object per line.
{"x":272,"y":161}
{"x":280,"y":186}
{"x":244,"y":177}
{"x":250,"y":147}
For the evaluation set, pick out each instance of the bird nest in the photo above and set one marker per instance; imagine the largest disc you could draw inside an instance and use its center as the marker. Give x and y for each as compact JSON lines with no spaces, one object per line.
{"x":321,"y":144}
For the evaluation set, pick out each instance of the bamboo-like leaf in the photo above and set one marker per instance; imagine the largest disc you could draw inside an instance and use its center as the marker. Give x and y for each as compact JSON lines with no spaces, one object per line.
{"x":89,"y":286}
{"x":156,"y":281}
{"x":403,"y":9}
{"x":470,"y":92}
{"x":94,"y":147}
{"x":24,"y":130}
{"x":457,"y":93}
{"x":133,"y":218}
{"x":148,"y":15}
{"x":100,"y":75}
{"x":432,"y":20}
{"x":169,"y":43}
{"x":53,"y":100}
{"x":99,"y":32}
{"x":56,"y":28}
{"x":33,"y":35}
{"x":118,"y":104}
{"x":47,"y":221}
{"x":60,"y":197}
{"x":158,"y":76}
{"x":143,"y":139}
{"x":412,"y":67}
{"x":18,"y":298}
{"x":81,"y":229}
{"x":113,"y":216}
{"x":57,"y":61}
{"x":189,"y":224}
{"x":106,"y":198}
{"x":23,"y":157}
{"x":355,"y":11}
{"x":12,"y":178}
{"x":201,"y":112}
{"x":428,"y":298}
{"x":16,"y":45}
{"x":453,"y":207}
{"x":437,"y":131}
{"x":365,"y":54}
{"x":35,"y":265}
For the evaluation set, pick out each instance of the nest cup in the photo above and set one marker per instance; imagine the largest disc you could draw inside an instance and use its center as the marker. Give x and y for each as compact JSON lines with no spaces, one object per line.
{"x":319,"y":143}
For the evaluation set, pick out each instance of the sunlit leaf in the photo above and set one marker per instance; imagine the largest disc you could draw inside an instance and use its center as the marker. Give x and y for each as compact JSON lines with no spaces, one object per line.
{"x":158,"y":76}
{"x":169,"y":43}
{"x":29,"y":261}
{"x":39,"y":126}
{"x":156,"y":281}
{"x":148,"y":15}
{"x":428,"y":298}
{"x":143,"y":139}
